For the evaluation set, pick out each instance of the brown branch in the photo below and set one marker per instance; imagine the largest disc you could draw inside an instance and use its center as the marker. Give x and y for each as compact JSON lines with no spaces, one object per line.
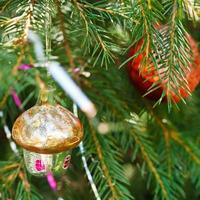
{"x":152,"y":167}
{"x":5,"y":5}
{"x":147,"y":48}
{"x":166,"y":135}
{"x":4,"y":99}
{"x":171,"y":133}
{"x":65,"y":40}
{"x":176,"y":137}
{"x":19,"y":61}
{"x":23,"y":177}
{"x":104,"y":167}
{"x":10,"y":167}
{"x":101,"y":9}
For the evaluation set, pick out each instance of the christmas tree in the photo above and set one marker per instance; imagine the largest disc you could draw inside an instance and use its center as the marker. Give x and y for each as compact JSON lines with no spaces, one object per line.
{"x":117,"y":82}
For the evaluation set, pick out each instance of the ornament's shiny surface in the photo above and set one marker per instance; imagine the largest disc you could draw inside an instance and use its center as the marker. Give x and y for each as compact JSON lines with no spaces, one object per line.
{"x":40,"y":164}
{"x":47,"y":129}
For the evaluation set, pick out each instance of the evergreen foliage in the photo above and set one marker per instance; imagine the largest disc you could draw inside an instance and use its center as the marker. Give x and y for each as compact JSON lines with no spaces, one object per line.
{"x":161,"y":147}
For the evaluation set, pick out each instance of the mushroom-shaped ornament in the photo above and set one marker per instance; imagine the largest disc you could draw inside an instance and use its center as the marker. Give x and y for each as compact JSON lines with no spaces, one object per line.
{"x":47,"y":133}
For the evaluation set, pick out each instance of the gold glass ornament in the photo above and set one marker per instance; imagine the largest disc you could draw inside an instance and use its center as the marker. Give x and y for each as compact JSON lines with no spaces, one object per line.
{"x":47,"y":133}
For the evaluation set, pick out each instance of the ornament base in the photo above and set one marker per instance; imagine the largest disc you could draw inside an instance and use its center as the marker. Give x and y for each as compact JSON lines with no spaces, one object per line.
{"x":40,"y":164}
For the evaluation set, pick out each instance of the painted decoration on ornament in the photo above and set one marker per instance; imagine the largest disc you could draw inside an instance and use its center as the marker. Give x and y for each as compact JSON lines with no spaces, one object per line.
{"x":39,"y":165}
{"x":66,"y":162}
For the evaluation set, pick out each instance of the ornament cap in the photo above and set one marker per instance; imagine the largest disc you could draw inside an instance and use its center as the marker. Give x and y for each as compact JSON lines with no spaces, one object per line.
{"x":47,"y":129}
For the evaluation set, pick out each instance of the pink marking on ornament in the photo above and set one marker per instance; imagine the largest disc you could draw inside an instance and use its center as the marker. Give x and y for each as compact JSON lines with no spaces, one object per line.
{"x":24,"y":67}
{"x":16,"y":98}
{"x":39,"y":165}
{"x":66,"y":162}
{"x":52,"y":182}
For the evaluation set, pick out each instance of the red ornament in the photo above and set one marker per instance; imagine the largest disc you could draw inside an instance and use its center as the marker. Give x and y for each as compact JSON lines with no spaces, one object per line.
{"x":145,"y":79}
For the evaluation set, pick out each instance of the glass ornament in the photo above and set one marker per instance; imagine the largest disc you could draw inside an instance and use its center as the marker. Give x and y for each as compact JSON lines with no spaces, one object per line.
{"x":47,"y":133}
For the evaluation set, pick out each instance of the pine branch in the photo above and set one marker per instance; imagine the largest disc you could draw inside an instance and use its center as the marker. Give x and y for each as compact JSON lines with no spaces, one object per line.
{"x":191,"y":149}
{"x":167,"y":187}
{"x":172,"y":155}
{"x":110,"y":90}
{"x":104,"y":164}
{"x":194,"y":175}
{"x":8,"y":173}
{"x":193,"y":153}
{"x":104,"y":167}
{"x":4,"y":99}
{"x":167,"y":151}
{"x":92,"y":27}
{"x":4,"y":4}
{"x":14,"y":172}
{"x":65,"y":40}
{"x":165,"y":50}
{"x":175,"y":57}
{"x":192,"y":9}
{"x":148,"y":13}
{"x":170,"y":162}
{"x":149,"y":158}
{"x":170,"y":133}
{"x":29,"y":15}
{"x":24,"y":194}
{"x":26,"y":18}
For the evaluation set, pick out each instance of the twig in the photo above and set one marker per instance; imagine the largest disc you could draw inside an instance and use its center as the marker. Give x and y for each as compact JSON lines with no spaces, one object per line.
{"x":65,"y":40}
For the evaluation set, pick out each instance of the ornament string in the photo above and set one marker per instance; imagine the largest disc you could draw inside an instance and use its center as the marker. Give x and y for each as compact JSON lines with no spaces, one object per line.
{"x":8,"y":136}
{"x":85,"y":165}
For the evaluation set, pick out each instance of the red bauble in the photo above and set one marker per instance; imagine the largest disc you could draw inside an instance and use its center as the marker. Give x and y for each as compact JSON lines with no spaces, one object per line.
{"x":145,"y":79}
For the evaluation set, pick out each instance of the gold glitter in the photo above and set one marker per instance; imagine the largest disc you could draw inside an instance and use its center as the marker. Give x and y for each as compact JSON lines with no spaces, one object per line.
{"x":47,"y":129}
